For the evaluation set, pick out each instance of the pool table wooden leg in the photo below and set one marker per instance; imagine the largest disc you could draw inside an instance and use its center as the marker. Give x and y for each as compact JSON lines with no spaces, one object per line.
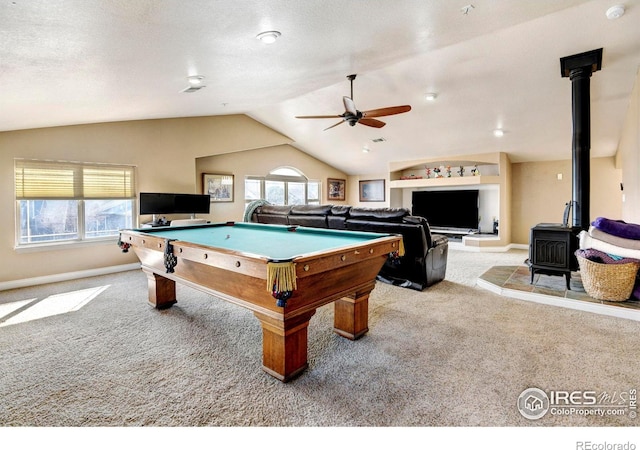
{"x":284,"y":345}
{"x":351,"y":315}
{"x":162,"y":291}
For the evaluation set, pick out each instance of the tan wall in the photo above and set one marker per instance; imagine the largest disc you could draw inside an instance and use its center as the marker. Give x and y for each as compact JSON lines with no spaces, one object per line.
{"x":353,"y":187}
{"x":629,"y":157}
{"x":259,"y":163}
{"x":537,"y":196}
{"x":172,"y":154}
{"x":164,"y":152}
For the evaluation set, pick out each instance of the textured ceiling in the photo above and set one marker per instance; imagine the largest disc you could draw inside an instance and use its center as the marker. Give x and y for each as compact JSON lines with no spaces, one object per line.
{"x":85,"y":61}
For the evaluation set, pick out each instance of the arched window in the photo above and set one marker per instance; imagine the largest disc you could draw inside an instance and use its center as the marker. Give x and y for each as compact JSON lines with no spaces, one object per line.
{"x":283,"y":186}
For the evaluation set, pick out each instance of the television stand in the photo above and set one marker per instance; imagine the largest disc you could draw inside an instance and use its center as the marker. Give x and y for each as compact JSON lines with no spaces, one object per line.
{"x":453,"y":231}
{"x":454,"y":234}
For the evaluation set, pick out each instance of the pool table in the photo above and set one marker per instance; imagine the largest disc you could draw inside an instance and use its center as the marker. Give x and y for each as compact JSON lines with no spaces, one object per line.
{"x":280,"y":273}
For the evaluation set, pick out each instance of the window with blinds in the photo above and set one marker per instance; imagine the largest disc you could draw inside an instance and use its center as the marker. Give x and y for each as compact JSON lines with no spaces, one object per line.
{"x":62,"y":201}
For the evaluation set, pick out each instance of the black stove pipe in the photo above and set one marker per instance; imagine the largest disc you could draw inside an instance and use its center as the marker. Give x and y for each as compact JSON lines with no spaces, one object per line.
{"x":579,"y":69}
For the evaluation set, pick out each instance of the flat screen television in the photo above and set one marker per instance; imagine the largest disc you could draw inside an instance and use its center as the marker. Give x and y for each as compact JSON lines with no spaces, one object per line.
{"x":167,"y":203}
{"x":455,"y":209}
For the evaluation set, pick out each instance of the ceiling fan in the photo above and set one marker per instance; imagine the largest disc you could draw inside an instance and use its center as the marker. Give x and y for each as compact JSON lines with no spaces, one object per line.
{"x":352,"y":116}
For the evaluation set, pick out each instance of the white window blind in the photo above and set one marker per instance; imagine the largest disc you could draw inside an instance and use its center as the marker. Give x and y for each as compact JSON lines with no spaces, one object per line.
{"x":38,"y":179}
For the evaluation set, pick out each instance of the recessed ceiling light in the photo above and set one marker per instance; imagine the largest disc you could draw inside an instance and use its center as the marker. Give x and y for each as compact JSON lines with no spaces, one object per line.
{"x":615,"y":12}
{"x":268,"y":37}
{"x":431,"y":96}
{"x":196,"y":80}
{"x":498,"y":132}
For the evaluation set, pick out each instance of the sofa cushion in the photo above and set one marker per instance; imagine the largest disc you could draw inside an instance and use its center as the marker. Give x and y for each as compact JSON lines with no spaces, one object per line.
{"x":310,"y":210}
{"x":276,"y":219}
{"x":308,"y":221}
{"x":340,"y":210}
{"x":382,"y":214}
{"x":281,"y":210}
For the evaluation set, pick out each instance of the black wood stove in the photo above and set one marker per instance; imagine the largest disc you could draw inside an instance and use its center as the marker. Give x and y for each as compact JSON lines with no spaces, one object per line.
{"x":552,"y":250}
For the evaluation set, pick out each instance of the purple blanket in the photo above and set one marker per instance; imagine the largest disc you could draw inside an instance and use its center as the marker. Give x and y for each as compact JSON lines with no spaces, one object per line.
{"x":617,"y":228}
{"x":603,"y":258}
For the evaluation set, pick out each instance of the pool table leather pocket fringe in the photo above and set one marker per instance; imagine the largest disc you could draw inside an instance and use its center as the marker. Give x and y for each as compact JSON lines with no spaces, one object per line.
{"x":170,"y":260}
{"x":281,"y":277}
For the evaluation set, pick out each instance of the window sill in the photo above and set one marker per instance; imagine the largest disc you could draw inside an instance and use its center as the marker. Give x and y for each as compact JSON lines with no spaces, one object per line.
{"x":50,"y":246}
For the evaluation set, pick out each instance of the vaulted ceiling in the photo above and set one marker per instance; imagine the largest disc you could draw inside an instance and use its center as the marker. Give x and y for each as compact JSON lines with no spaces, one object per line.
{"x":492,"y":63}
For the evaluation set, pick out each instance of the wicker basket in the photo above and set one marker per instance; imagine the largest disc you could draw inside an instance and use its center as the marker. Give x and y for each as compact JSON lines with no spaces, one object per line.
{"x":612,"y":282}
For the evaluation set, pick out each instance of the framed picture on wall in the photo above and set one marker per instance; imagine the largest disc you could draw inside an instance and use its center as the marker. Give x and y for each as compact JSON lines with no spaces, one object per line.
{"x":336,"y":189}
{"x":218,"y":187}
{"x":372,"y":190}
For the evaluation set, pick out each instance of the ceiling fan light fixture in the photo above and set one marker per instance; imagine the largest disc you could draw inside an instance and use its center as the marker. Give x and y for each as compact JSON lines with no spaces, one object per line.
{"x":365,"y":150}
{"x":498,"y":132}
{"x":430,"y":96}
{"x":268,"y":37}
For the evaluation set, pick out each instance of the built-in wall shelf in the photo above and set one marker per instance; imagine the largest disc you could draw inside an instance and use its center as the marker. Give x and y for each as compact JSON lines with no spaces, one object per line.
{"x":492,"y":183}
{"x":444,"y":181}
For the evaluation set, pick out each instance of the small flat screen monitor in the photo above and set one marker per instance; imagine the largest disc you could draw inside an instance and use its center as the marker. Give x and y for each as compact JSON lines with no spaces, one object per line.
{"x":170,"y":203}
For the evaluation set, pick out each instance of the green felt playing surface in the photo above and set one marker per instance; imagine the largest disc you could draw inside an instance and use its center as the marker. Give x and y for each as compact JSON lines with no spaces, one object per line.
{"x":274,"y":242}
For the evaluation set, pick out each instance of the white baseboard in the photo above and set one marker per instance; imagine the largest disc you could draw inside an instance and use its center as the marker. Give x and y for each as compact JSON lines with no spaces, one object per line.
{"x":496,"y":249}
{"x":26,"y":282}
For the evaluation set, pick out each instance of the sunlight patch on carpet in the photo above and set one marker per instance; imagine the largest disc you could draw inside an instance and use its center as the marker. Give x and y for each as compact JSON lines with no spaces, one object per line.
{"x":8,"y":308}
{"x":50,"y":306}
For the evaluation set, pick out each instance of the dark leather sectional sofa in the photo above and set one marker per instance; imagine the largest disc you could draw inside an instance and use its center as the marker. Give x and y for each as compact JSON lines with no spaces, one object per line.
{"x":425,"y":259}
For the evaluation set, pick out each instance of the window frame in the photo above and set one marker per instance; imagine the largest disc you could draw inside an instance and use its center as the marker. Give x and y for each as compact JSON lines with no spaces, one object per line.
{"x":91,"y":182}
{"x":278,"y":176}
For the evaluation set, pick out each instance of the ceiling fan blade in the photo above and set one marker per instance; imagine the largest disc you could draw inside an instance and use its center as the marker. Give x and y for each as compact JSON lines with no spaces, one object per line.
{"x":375,"y":123}
{"x":387,"y":111}
{"x":318,"y":117}
{"x":339,"y":123}
{"x":349,"y":106}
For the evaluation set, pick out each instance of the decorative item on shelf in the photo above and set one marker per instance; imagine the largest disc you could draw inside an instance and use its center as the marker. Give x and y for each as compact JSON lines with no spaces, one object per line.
{"x":461,"y":171}
{"x":448,"y":171}
{"x":428,"y":172}
{"x":436,"y":170}
{"x":475,"y":171}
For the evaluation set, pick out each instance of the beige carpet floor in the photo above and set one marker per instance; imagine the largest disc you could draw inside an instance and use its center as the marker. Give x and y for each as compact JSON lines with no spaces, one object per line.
{"x":452,"y":355}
